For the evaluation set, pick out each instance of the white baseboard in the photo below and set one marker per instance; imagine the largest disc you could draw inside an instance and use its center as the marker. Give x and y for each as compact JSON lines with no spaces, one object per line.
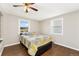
{"x":11,"y":44}
{"x":67,"y":46}
{"x":1,"y":51}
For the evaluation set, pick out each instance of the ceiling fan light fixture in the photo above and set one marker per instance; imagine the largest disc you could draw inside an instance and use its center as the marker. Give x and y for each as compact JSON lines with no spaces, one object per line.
{"x":27,"y":7}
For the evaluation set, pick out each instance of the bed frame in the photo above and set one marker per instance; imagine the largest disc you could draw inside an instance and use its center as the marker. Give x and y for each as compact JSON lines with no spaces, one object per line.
{"x":42,"y":49}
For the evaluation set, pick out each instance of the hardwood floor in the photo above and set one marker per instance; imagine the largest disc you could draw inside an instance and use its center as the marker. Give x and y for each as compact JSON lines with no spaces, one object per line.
{"x":56,"y":50}
{"x":16,"y":50}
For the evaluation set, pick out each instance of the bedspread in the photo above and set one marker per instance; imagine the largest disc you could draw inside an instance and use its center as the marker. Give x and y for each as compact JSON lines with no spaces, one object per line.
{"x":32,"y":42}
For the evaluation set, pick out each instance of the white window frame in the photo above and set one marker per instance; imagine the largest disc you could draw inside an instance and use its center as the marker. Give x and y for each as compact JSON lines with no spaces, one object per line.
{"x":52,"y":25}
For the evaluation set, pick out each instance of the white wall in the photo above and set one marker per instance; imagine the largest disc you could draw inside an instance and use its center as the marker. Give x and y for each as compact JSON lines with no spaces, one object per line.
{"x":10,"y":28}
{"x":71,"y":30}
{"x":45,"y":27}
{"x":34,"y":26}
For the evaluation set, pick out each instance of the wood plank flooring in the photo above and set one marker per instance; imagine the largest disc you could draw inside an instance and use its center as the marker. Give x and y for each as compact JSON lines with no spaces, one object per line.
{"x":56,"y":50}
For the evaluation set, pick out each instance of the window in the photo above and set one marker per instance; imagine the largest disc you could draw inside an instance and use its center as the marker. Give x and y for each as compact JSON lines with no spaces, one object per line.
{"x":57,"y":26}
{"x":24,"y":26}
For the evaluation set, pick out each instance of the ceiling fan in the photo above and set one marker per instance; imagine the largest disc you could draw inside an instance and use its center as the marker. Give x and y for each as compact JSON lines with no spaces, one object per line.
{"x":27,"y":6}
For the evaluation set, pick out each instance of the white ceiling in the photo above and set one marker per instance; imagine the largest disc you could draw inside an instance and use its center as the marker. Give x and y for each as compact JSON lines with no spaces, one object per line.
{"x":45,"y":10}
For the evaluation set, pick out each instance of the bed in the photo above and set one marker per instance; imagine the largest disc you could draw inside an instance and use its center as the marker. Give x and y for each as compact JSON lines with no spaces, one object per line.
{"x":36,"y":44}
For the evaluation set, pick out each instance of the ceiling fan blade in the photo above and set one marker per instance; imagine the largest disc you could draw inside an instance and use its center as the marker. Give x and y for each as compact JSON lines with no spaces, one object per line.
{"x":33,"y":9}
{"x":29,"y":3}
{"x":17,"y":5}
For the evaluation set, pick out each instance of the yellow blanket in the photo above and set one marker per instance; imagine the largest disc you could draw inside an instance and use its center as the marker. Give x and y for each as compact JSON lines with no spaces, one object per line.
{"x":32,"y":49}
